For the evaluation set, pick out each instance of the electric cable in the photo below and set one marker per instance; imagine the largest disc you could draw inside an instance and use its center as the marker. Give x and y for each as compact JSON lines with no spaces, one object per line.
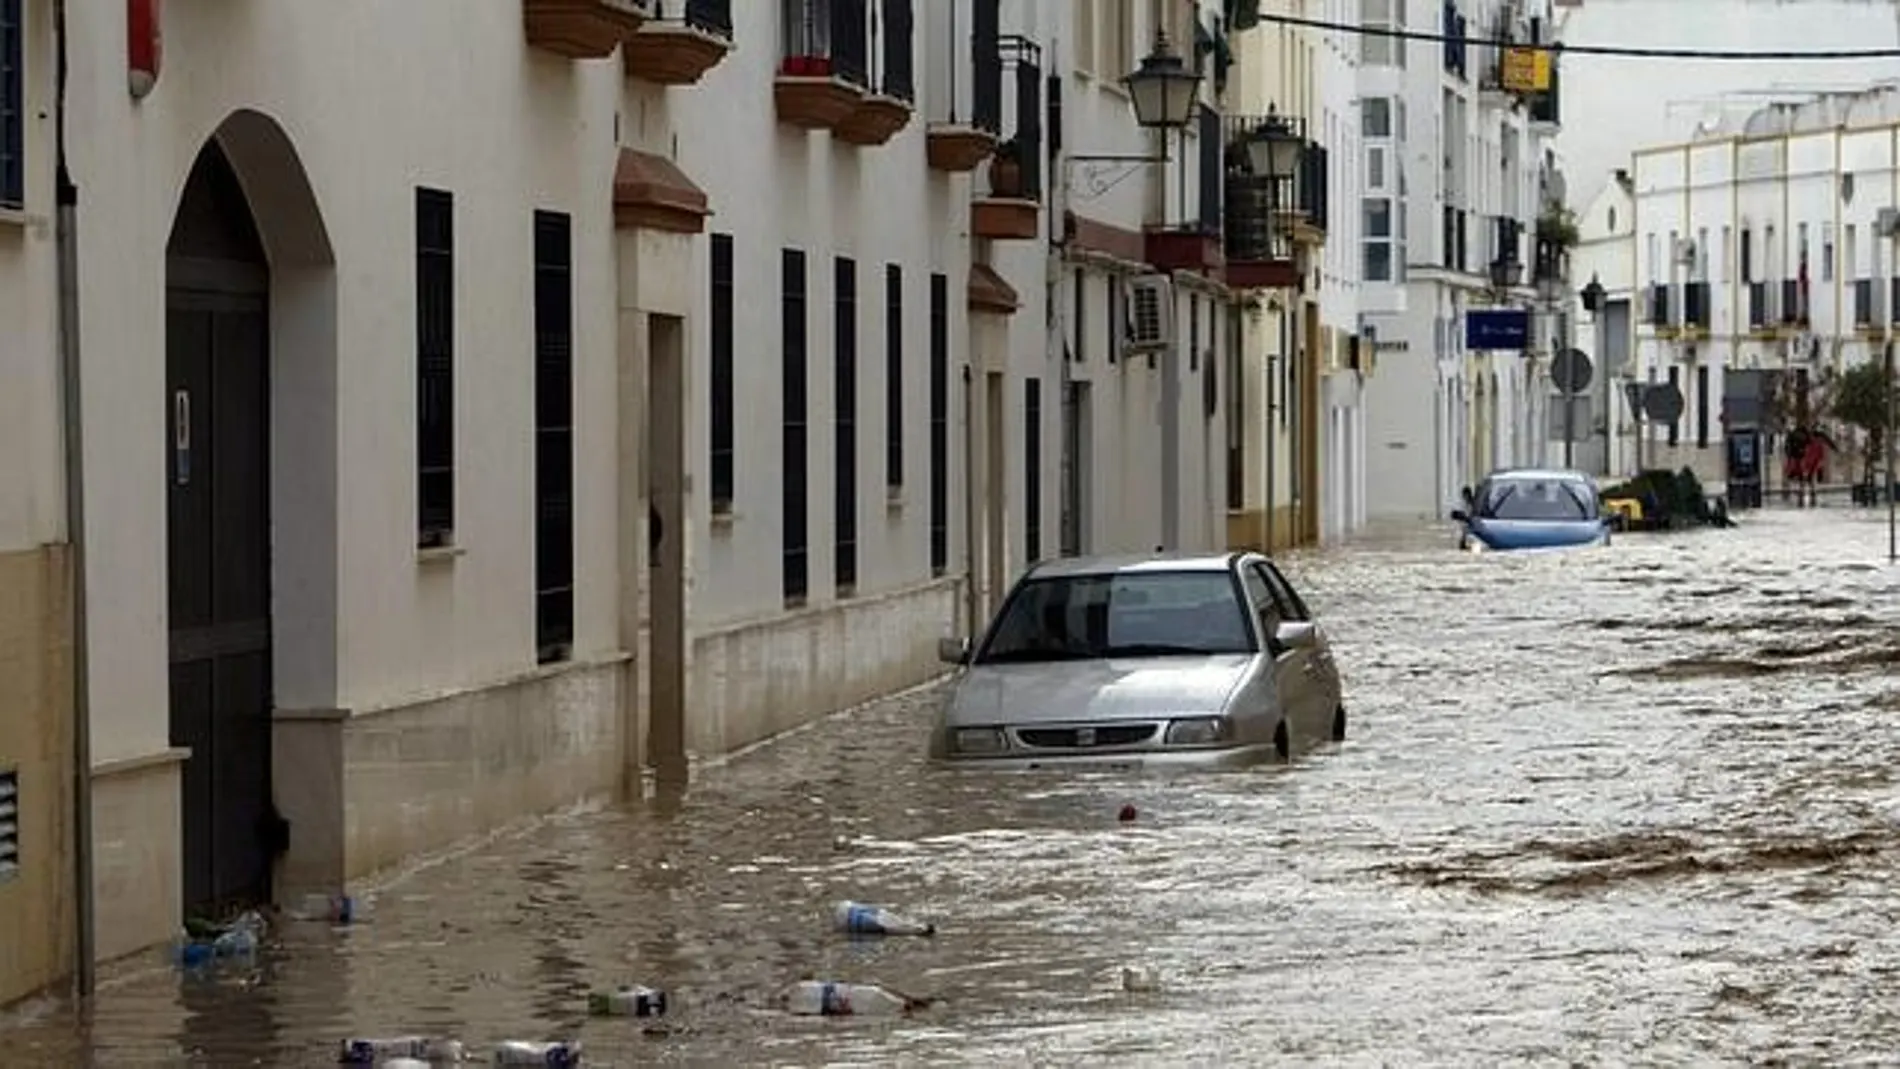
{"x":1560,"y":48}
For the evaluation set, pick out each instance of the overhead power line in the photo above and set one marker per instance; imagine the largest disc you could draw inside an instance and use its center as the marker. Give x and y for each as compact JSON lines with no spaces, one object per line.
{"x":1587,"y":50}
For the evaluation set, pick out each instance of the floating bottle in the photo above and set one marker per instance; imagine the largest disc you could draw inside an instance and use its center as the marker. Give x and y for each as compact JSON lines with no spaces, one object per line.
{"x":361,"y":1051}
{"x":631,"y":1001}
{"x":558,"y":1055}
{"x":860,"y":919}
{"x":824,"y":998}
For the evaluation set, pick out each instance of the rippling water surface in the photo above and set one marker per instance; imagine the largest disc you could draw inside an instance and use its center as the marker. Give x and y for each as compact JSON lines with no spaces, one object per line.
{"x":1629,"y":805}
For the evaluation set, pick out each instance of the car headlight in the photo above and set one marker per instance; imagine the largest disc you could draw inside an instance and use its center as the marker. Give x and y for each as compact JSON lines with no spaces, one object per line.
{"x":1199,"y":731}
{"x":977,"y":740}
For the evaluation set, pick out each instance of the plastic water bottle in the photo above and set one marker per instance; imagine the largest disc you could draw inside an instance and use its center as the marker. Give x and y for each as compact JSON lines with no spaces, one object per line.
{"x":825,"y":998}
{"x":358,"y":1051}
{"x":548,"y":1055}
{"x":238,"y":943}
{"x":860,"y":919}
{"x":627,"y":1002}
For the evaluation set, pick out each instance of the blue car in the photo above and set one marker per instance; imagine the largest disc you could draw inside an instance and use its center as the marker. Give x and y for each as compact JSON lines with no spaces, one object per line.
{"x":1530,"y":508}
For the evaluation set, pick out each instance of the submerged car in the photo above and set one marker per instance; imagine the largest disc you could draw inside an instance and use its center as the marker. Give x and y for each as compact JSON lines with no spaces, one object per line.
{"x":1127,"y":662}
{"x":1531,"y":508}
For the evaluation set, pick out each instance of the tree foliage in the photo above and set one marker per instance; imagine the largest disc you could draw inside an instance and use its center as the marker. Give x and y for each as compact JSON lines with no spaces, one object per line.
{"x":1860,"y":398}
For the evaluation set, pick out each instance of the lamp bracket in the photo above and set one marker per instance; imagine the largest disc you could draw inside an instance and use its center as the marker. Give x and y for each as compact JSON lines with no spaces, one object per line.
{"x":1101,"y":173}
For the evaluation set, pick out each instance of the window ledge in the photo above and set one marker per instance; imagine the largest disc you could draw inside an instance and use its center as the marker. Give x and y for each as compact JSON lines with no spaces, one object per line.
{"x":724,"y":519}
{"x":18,"y":217}
{"x":894,"y":498}
{"x":439,"y":554}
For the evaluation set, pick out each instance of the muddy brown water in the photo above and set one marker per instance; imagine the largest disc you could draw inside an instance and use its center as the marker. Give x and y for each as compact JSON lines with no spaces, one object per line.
{"x":1624,"y":806}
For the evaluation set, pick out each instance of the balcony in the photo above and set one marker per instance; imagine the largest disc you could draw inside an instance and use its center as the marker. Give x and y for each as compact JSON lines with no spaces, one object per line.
{"x":1794,"y":304}
{"x":822,"y":75}
{"x":1507,"y":249}
{"x":958,"y":146}
{"x":1453,"y":252}
{"x":1456,"y":53}
{"x":1695,"y":308}
{"x":1307,"y":217}
{"x":1547,"y":107}
{"x":1657,"y":312}
{"x":1761,"y":313}
{"x":1864,"y":316}
{"x":1196,"y":245}
{"x":1257,"y":246}
{"x":887,"y":107}
{"x":583,"y":29}
{"x":1010,"y":207}
{"x":680,"y":50}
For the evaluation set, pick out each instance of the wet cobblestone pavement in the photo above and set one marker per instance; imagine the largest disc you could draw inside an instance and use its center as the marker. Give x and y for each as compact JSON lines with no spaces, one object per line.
{"x":1629,"y":806}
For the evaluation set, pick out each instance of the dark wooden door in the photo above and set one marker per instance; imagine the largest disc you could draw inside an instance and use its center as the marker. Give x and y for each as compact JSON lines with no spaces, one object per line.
{"x":217,"y":397}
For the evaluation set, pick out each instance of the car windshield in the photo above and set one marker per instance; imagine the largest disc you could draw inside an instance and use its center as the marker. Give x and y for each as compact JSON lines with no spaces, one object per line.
{"x":1126,"y":614}
{"x":1537,"y":499}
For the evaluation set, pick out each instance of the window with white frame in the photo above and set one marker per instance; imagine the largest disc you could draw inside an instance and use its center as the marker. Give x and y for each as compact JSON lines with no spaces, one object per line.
{"x":1375,"y":168}
{"x":1380,"y":241}
{"x":1375,"y":117}
{"x":1377,"y":49}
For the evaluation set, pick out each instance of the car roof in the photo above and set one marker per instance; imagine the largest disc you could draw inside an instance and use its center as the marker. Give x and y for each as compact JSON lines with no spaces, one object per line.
{"x":1118,"y":564}
{"x":1557,"y":474}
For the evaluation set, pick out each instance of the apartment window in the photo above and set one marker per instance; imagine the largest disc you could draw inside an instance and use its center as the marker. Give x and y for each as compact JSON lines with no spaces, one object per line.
{"x":1115,"y":326}
{"x":1702,"y":406}
{"x":1722,"y":269}
{"x":1773,"y":259}
{"x":1827,"y":252}
{"x":1375,"y":167}
{"x":1115,"y":37}
{"x":1651,"y":261}
{"x":1081,"y":351}
{"x":1745,"y":256}
{"x":893,"y":376}
{"x":1850,"y":252}
{"x":795,"y":538}
{"x":1032,"y":470}
{"x":1675,"y":425}
{"x":1236,"y":416}
{"x":719,"y":460}
{"x":1701,"y":265}
{"x":1378,"y":50}
{"x":1801,"y":244}
{"x":844,"y":424}
{"x":554,"y":435}
{"x":939,"y":424}
{"x":1194,"y":332}
{"x":1378,"y":241}
{"x":12,"y":106}
{"x":435,"y":368}
{"x":1375,"y":117}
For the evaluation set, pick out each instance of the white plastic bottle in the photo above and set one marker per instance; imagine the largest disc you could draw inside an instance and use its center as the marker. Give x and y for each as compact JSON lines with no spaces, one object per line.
{"x":521,"y":1052}
{"x":858,"y":918}
{"x":376,"y":1051}
{"x":825,"y":998}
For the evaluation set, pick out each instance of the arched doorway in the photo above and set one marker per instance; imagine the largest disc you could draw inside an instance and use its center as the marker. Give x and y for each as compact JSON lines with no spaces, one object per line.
{"x":218,"y":395}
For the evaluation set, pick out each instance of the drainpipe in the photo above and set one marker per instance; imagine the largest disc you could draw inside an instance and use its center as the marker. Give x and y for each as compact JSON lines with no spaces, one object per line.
{"x":66,"y":200}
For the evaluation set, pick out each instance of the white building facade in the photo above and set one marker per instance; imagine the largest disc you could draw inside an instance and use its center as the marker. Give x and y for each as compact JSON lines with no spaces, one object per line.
{"x":1605,"y":254}
{"x":472,"y":435}
{"x":1456,"y":173}
{"x":1758,"y":250}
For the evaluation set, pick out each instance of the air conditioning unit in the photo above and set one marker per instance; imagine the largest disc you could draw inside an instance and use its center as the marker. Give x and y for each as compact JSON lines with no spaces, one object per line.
{"x":1150,"y":313}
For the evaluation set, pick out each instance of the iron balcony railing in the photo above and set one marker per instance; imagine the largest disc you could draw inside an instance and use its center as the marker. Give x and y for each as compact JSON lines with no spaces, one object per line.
{"x":1257,"y":208}
{"x":712,"y":16}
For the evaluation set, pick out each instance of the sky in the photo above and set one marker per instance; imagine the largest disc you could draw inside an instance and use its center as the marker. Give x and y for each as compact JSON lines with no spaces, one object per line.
{"x":1614,"y":105}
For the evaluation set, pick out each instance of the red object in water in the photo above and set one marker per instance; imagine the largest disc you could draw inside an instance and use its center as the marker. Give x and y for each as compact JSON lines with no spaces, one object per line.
{"x":1128,"y":812}
{"x":144,"y":47}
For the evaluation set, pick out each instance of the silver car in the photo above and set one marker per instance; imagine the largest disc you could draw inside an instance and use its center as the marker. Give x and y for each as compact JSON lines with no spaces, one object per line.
{"x":1129,"y":662}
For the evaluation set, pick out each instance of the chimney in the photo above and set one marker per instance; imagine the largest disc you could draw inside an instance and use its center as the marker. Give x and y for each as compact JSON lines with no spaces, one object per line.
{"x":1623,"y":179}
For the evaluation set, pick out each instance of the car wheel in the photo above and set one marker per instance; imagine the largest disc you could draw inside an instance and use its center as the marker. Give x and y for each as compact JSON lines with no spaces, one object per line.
{"x":1280,"y":747}
{"x":1339,"y":724}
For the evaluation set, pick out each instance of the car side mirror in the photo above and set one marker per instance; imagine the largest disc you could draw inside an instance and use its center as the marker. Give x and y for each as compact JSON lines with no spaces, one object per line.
{"x":953,"y":650}
{"x":1465,"y":495}
{"x":1460,"y":515}
{"x":1296,"y":634}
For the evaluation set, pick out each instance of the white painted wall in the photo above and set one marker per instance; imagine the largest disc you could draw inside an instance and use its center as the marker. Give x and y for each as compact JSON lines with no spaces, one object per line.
{"x":31,"y":477}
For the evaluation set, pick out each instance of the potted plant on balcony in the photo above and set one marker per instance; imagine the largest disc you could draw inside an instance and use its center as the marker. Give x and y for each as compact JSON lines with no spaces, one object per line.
{"x":1006,"y":170}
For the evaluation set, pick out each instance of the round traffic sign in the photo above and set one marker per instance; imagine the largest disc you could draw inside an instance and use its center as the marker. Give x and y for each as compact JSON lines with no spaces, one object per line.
{"x":1571,"y":371}
{"x":1663,"y":403}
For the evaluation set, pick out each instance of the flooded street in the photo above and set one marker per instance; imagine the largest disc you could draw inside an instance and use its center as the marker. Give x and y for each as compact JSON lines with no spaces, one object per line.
{"x":1633,"y":805}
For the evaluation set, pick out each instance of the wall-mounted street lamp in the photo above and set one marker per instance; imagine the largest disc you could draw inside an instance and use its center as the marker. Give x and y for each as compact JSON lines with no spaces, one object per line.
{"x":1274,"y":147}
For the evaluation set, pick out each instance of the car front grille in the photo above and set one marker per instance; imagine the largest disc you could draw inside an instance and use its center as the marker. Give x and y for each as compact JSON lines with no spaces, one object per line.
{"x":1086,"y":736}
